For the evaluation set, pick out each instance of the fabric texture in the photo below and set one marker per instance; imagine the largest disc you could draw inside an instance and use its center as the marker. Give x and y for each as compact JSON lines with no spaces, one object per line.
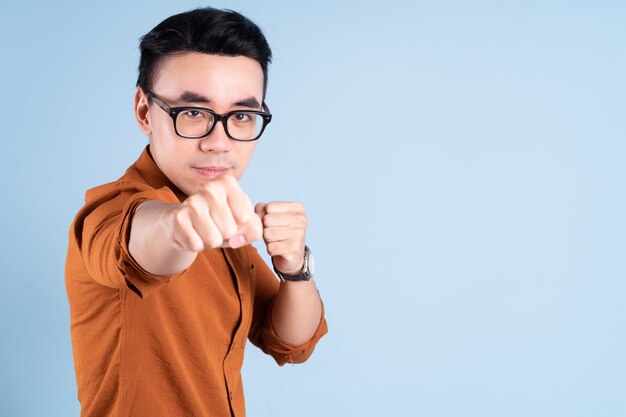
{"x":147,"y":345}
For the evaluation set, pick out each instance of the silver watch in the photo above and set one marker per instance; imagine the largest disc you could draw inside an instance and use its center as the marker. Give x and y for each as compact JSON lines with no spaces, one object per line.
{"x":307,"y":270}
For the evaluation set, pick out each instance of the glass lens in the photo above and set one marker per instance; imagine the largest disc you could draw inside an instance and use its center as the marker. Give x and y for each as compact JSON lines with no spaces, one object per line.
{"x":194,"y":123}
{"x":245,"y":126}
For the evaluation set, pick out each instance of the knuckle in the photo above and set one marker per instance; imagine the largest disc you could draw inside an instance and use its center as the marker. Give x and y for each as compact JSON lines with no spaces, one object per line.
{"x":270,"y":207}
{"x":271,"y":248}
{"x":242,"y":214}
{"x":227,"y":183}
{"x":209,"y":186}
{"x":211,"y":190}
{"x":214,"y":240}
{"x":193,"y":199}
{"x":230,"y":180}
{"x":230,"y":229}
{"x":196,"y":202}
{"x":196,"y":246}
{"x":179,"y":217}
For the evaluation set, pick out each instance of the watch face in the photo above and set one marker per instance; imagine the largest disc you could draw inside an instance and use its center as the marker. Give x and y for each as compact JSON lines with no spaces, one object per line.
{"x":311,"y":265}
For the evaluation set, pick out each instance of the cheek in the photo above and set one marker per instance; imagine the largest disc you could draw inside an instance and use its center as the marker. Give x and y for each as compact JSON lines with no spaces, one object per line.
{"x":244,"y":154}
{"x":170,"y":145}
{"x":163,"y":130}
{"x":247,"y":154}
{"x":168,"y":151}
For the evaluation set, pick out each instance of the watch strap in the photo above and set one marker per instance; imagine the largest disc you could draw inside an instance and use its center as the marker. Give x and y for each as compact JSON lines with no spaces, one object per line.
{"x":305,"y":275}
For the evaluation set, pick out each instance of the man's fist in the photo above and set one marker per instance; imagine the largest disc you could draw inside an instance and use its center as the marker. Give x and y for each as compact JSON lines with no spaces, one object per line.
{"x":219,"y":215}
{"x":284,"y":227}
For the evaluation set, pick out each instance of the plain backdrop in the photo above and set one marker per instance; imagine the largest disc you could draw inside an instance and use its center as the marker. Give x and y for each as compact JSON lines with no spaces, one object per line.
{"x":462,"y":166}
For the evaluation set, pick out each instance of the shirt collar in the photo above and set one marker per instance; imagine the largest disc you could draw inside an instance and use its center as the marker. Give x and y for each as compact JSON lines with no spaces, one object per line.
{"x":148,"y":168}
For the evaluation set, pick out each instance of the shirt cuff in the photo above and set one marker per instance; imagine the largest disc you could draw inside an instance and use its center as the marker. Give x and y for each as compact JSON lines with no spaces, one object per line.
{"x":284,"y":352}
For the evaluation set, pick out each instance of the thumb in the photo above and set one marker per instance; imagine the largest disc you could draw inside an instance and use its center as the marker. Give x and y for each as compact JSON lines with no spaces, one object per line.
{"x":259,"y":209}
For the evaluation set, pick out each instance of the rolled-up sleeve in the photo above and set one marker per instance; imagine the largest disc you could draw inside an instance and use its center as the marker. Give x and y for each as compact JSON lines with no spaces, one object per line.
{"x":262,"y":333}
{"x":103,"y":229}
{"x":282,"y":351}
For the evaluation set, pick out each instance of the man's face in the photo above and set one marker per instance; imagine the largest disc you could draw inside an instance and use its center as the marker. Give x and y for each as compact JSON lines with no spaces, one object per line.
{"x":219,"y":83}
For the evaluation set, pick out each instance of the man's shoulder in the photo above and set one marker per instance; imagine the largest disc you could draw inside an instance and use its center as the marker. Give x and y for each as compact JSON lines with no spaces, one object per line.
{"x":113,"y":189}
{"x":131,"y":182}
{"x":141,"y":181}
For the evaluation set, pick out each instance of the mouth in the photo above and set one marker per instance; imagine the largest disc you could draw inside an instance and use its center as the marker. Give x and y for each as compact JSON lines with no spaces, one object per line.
{"x":211,"y":171}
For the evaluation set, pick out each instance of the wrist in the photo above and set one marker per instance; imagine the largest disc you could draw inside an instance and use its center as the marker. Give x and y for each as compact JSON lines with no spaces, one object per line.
{"x":304,"y":273}
{"x":291,"y":270}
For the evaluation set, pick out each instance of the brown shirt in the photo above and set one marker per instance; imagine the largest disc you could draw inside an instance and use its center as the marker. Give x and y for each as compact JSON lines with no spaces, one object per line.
{"x":147,"y":345}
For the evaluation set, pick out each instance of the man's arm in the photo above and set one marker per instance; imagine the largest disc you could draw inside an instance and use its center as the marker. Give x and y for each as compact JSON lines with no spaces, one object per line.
{"x":166,"y":238}
{"x":297,"y":307}
{"x":297,"y":312}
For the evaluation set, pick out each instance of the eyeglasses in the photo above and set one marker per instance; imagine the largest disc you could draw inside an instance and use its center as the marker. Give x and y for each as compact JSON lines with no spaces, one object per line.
{"x":198,"y":122}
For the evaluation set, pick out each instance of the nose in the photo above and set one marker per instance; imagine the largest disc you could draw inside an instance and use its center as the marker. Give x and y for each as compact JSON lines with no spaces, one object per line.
{"x":217,"y":141}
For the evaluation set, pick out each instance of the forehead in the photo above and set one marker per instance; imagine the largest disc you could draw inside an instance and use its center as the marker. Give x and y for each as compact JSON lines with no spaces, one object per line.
{"x":220,"y":78}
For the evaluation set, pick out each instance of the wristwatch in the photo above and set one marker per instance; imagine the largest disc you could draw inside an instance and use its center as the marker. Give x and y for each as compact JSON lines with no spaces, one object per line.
{"x":307,"y":270}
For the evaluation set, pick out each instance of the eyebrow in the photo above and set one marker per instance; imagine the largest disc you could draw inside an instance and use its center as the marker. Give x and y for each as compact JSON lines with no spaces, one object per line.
{"x":249,"y":102}
{"x":192,"y":97}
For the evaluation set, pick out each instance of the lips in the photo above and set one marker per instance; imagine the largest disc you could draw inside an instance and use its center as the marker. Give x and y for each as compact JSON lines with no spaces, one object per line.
{"x":211,"y":171}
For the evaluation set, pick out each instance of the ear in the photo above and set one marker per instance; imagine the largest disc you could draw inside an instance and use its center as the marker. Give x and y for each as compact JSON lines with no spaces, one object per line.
{"x":141,"y":111}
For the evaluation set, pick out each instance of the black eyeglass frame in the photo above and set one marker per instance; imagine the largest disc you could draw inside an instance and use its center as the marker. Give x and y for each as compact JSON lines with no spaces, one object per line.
{"x":175,"y":111}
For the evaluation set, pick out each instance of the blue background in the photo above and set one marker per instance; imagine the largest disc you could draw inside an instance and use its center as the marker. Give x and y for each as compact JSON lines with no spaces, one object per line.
{"x":462,"y":165}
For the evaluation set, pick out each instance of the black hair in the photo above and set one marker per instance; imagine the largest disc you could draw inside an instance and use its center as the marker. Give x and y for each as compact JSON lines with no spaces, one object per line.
{"x":206,"y":30}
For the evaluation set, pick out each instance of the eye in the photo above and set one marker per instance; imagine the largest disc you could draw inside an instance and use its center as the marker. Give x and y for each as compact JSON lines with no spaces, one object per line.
{"x":242,"y":117}
{"x":193,"y":114}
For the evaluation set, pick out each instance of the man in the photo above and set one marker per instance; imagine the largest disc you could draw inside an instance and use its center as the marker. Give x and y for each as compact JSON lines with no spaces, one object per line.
{"x":163,"y":284}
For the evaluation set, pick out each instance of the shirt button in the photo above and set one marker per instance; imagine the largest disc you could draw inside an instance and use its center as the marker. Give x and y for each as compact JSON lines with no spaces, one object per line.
{"x":230,"y":395}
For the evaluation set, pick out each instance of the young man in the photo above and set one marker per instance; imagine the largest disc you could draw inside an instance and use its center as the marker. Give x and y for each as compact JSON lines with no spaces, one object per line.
{"x":163,"y":284}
